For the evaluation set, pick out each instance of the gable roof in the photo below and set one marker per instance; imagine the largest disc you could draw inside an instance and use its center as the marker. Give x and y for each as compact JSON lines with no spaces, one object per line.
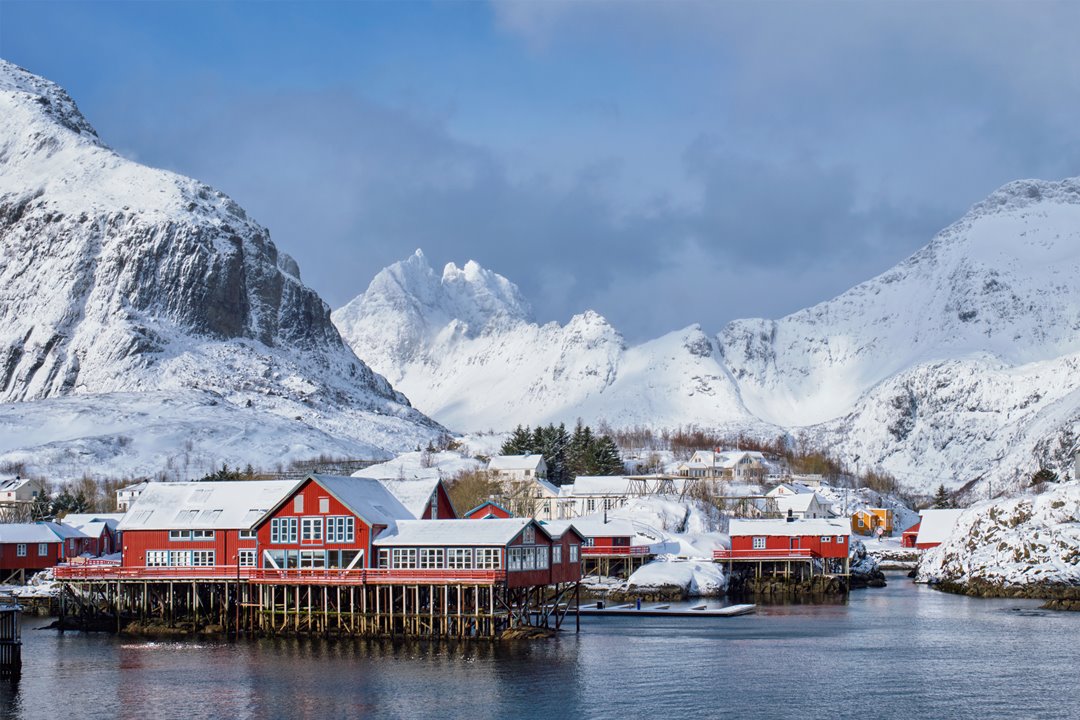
{"x":37,"y":532}
{"x":464,"y":532}
{"x":485,"y":504}
{"x":369,"y":499}
{"x":800,"y":502}
{"x":593,"y":526}
{"x":597,"y":485}
{"x":814,"y":526}
{"x":516,"y":462}
{"x":225,"y":505}
{"x":413,"y":494}
{"x":91,"y":524}
{"x":12,"y":484}
{"x":791,"y":488}
{"x":937,"y":525}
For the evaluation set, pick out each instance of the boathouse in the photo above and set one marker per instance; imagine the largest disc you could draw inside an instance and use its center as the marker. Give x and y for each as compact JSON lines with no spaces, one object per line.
{"x":26,"y":548}
{"x":609,"y":547}
{"x":818,"y":546}
{"x":936,"y":526}
{"x":907,"y":538}
{"x":488,"y":510}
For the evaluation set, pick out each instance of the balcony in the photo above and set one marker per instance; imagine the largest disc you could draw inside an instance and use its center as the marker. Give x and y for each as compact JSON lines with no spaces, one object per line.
{"x":615,"y":550}
{"x":290,"y":576}
{"x":765,"y":554}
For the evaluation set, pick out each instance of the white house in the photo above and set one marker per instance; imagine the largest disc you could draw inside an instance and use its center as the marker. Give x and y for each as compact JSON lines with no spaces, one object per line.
{"x":789,"y":489}
{"x":804,"y":506}
{"x":593,"y":493}
{"x":125,"y":496}
{"x":518,"y":468}
{"x":18,"y":490}
{"x":737,"y":465}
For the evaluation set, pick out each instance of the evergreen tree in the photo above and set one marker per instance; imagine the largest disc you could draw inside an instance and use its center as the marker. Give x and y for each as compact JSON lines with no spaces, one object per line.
{"x":520,"y":442}
{"x":941,"y":498}
{"x":604,"y":457}
{"x":42,"y":506}
{"x":577,"y":454}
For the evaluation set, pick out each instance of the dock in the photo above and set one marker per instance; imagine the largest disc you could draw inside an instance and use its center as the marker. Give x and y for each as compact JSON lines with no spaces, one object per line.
{"x":664,"y":610}
{"x":10,"y":642}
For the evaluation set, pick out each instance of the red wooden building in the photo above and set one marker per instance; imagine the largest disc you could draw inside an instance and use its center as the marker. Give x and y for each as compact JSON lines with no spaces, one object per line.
{"x":426,"y":499}
{"x":36,"y":546}
{"x":100,"y":528}
{"x":818,"y":542}
{"x":488,"y":510}
{"x":907,"y":538}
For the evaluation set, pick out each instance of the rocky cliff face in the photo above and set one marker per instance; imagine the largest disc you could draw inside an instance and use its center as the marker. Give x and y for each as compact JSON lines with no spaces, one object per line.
{"x":116,"y":277}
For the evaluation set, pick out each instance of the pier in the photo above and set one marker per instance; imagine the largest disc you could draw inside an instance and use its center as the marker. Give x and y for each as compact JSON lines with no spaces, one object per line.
{"x":10,"y":640}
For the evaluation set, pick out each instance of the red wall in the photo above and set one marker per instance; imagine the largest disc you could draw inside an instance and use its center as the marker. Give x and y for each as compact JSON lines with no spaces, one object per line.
{"x":527,"y":578}
{"x":489,"y":509}
{"x":611,"y":541}
{"x":446,"y":509}
{"x":9,"y":560}
{"x":312,"y":492}
{"x":783,"y":542}
{"x":568,"y":571}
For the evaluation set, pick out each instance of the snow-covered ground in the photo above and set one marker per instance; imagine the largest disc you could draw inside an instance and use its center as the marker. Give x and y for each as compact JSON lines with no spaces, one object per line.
{"x":699,"y":578}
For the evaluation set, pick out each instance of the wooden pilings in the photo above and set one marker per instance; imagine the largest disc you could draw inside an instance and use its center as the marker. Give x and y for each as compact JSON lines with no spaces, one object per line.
{"x":10,"y":641}
{"x":240,"y":607}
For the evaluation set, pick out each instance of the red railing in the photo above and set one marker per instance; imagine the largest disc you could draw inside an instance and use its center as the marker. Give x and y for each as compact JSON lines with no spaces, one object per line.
{"x":619,"y":550}
{"x":335,"y":576}
{"x":767,"y":554}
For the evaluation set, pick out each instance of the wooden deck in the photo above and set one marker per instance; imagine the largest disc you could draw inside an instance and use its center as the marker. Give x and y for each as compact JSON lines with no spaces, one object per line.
{"x":291,"y":576}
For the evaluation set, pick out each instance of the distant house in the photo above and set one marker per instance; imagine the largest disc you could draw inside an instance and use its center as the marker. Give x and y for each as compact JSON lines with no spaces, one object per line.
{"x":100,"y":529}
{"x":868,"y":520}
{"x":907,"y":538}
{"x":936,"y":526}
{"x":36,"y":546}
{"x":755,"y":541}
{"x":517,"y":468}
{"x":591,"y":494}
{"x":526,"y":489}
{"x":126,"y":495}
{"x":488,"y":510}
{"x":18,"y":490}
{"x":733,"y":465}
{"x":804,"y":506}
{"x":788,"y":489}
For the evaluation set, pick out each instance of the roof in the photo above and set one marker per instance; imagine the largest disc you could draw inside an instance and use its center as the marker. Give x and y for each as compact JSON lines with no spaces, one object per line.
{"x":487,"y":503}
{"x":816,"y":526}
{"x":793,"y":488}
{"x":913,"y":529}
{"x":137,"y":487}
{"x":230,"y":504}
{"x":516,"y":462}
{"x":936,"y":525}
{"x":496,"y":531}
{"x":550,"y":487}
{"x":12,"y":484}
{"x":597,"y":485}
{"x":593,"y":526}
{"x":800,"y":502}
{"x":36,"y":532}
{"x":368,"y":498}
{"x":413,"y":494}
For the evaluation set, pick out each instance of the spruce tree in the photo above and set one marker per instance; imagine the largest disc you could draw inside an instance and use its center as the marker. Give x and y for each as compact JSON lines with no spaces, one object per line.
{"x":941,"y":498}
{"x":520,"y":442}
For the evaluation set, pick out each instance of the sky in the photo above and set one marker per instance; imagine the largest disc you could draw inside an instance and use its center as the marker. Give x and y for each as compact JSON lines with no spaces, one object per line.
{"x":662,"y":163}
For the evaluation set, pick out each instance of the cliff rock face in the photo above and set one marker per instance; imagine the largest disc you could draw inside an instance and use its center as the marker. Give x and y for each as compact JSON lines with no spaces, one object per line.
{"x":118,"y":278}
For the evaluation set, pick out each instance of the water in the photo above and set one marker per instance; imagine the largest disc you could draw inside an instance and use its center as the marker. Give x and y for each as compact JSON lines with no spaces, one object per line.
{"x":900,"y":652}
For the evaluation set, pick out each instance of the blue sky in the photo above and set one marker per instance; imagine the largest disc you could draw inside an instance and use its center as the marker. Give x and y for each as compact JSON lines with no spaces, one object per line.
{"x":663,"y":163}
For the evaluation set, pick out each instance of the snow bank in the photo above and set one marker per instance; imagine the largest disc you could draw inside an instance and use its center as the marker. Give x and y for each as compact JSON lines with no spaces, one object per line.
{"x":695,"y":578}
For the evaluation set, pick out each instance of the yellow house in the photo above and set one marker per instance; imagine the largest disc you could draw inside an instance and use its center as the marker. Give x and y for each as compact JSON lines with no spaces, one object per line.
{"x":867,"y":521}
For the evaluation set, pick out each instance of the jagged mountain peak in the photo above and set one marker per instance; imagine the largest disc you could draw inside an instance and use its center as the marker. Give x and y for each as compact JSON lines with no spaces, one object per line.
{"x":45,"y":97}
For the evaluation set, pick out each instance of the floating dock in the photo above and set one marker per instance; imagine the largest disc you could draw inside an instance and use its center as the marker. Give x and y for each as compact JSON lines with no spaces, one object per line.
{"x":631,"y":609}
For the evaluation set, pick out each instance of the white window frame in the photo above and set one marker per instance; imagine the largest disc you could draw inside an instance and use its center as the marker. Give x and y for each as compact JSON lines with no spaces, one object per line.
{"x":202,"y":535}
{"x":826,"y":538}
{"x":179,"y":535}
{"x":488,"y":558}
{"x":245,"y":557}
{"x":283,"y":530}
{"x":404,"y":558}
{"x":202,"y":558}
{"x":20,"y":550}
{"x":759,"y":542}
{"x":556,"y":554}
{"x":840,"y":538}
{"x":340,"y":529}
{"x":179,"y":558}
{"x":575,"y":552}
{"x":307,"y":559}
{"x":431,"y":559}
{"x":247,"y":535}
{"x":42,"y":549}
{"x":528,"y":535}
{"x":459,"y":558}
{"x":311,"y":529}
{"x":384,"y":558}
{"x":157,"y":558}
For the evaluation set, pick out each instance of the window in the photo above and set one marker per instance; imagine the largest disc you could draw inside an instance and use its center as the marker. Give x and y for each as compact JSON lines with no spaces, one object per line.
{"x":311,"y":529}
{"x":431,"y":558}
{"x":488,"y":558}
{"x":202,"y":534}
{"x":384,"y":558}
{"x":202,"y":558}
{"x":283,"y":530}
{"x":180,"y":558}
{"x":556,"y":554}
{"x":839,"y":538}
{"x":515,"y":559}
{"x":340,"y":529}
{"x":42,"y":549}
{"x":459,"y":558}
{"x":247,"y":535}
{"x":826,"y":538}
{"x":759,"y":543}
{"x":590,"y":504}
{"x":179,"y":535}
{"x":404,"y":558}
{"x":861,"y":523}
{"x":324,"y":505}
{"x":574,"y":552}
{"x":298,"y":504}
{"x":312,"y":558}
{"x":246,"y":558}
{"x":528,"y":537}
{"x":20,"y":550}
{"x":541,"y":553}
{"x":157,"y":558}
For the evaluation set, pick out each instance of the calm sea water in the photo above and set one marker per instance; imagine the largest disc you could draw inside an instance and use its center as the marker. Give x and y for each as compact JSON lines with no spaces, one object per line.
{"x":900,"y":652}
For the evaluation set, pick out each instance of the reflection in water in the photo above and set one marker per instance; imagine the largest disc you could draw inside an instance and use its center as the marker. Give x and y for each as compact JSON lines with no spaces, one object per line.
{"x":903,"y":650}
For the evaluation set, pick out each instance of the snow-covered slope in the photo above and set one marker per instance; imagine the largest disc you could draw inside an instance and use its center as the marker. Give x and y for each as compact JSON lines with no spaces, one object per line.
{"x":961,"y":363}
{"x":1024,"y":545}
{"x":119,"y":278}
{"x":464,"y":346}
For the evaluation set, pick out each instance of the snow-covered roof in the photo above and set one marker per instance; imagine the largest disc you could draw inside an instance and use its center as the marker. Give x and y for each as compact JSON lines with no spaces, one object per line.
{"x":231,"y":504}
{"x":12,"y":484}
{"x":137,"y":487}
{"x":789,"y":489}
{"x":496,"y":531}
{"x":550,"y":487}
{"x":815,"y":526}
{"x":936,"y":525}
{"x":369,"y":499}
{"x":597,"y":485}
{"x":800,"y":502}
{"x":486,"y":503}
{"x":593,"y":526}
{"x":36,"y":532}
{"x":413,"y":494}
{"x":516,"y":462}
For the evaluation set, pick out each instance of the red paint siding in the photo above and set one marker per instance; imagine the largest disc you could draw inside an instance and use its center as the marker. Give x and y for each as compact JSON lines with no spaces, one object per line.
{"x":486,"y":509}
{"x":9,"y":559}
{"x":780,"y":543}
{"x":312,"y":493}
{"x":568,"y":571}
{"x":445,"y":507}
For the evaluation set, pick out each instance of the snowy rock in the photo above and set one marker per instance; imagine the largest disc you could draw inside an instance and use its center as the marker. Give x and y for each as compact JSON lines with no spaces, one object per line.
{"x":1023,"y":546}
{"x":671,"y":579}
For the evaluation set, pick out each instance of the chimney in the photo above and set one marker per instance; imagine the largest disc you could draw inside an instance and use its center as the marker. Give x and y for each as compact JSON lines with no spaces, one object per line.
{"x":790,"y":516}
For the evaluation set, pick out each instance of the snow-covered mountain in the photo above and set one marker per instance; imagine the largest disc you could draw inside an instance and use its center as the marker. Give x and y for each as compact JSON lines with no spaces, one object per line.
{"x":116,"y":278}
{"x":962,"y":362}
{"x":464,"y":343}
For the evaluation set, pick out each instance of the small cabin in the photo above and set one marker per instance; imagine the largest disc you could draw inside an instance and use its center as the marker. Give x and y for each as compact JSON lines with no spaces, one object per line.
{"x":936,"y":526}
{"x":869,"y":521}
{"x":36,"y":546}
{"x":488,"y":510}
{"x":100,"y":529}
{"x":788,"y":539}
